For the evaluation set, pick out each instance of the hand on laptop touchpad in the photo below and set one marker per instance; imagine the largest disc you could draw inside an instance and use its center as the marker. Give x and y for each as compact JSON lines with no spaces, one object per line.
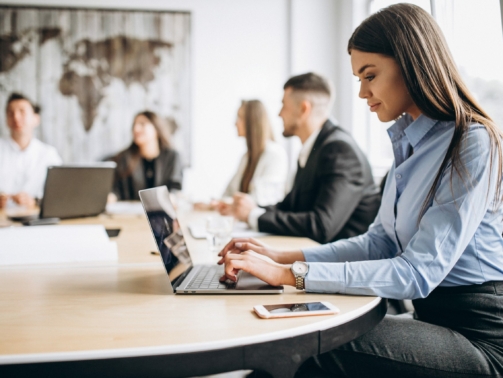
{"x":229,"y":282}
{"x":247,"y":279}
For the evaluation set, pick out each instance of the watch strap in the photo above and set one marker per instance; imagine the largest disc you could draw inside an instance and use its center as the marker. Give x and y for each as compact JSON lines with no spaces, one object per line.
{"x":299,"y":282}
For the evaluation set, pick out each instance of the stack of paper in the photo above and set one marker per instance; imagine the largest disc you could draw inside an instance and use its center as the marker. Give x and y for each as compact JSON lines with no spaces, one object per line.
{"x":55,"y":244}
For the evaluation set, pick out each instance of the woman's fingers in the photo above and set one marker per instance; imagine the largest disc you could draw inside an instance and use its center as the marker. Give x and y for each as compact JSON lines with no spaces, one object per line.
{"x":227,"y":248}
{"x":232,"y":244}
{"x":233,"y":264}
{"x":251,"y":241}
{"x":240,"y":247}
{"x":254,"y":263}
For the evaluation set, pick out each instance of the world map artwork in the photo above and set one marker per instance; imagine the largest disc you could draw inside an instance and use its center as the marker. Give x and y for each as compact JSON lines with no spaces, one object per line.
{"x":90,"y":83}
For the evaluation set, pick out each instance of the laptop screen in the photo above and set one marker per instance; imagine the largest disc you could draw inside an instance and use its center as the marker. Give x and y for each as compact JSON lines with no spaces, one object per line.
{"x":167,"y":233}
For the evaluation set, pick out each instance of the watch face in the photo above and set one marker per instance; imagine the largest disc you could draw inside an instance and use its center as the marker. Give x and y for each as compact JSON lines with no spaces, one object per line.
{"x":299,"y":268}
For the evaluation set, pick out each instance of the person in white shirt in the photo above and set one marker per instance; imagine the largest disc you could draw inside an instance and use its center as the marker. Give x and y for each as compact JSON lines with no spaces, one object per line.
{"x":263,"y":169}
{"x":23,"y":158}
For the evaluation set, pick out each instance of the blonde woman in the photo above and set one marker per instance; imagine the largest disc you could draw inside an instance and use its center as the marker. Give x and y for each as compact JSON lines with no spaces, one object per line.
{"x":263,"y":169}
{"x":438,"y":236}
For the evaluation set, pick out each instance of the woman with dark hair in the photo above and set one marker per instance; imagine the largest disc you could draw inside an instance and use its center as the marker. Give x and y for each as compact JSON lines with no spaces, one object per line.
{"x":263,"y":169}
{"x":438,"y":236}
{"x":149,"y":161}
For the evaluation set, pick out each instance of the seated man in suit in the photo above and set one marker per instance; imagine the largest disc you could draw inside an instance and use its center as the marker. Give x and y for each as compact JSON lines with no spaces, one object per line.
{"x":23,"y":158}
{"x":333,"y":195}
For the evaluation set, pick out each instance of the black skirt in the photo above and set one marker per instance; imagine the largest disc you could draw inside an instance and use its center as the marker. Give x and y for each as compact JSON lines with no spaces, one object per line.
{"x":475,"y":311}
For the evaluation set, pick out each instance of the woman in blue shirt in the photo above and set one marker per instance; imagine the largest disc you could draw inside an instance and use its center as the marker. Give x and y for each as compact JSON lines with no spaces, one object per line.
{"x":438,"y":236}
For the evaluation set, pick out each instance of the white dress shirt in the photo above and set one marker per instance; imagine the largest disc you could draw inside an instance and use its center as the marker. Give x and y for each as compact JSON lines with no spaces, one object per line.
{"x":304,"y":153}
{"x":307,"y":147}
{"x":25,"y":170}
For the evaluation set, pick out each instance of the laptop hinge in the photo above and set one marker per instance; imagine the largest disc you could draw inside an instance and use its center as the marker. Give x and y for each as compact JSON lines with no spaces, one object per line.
{"x":178,"y":280}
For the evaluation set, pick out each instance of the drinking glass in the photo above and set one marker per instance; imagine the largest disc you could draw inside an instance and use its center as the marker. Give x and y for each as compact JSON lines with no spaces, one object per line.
{"x":218,"y":231}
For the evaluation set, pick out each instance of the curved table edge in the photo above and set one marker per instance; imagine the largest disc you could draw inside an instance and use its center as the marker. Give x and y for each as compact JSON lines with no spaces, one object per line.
{"x":329,"y":323}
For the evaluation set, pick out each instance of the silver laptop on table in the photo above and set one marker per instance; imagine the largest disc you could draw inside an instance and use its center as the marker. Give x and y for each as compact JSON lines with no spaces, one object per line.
{"x":185,"y":277}
{"x":74,"y":191}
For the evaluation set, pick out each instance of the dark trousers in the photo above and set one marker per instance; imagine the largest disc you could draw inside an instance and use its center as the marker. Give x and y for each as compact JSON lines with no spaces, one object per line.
{"x":458,"y":333}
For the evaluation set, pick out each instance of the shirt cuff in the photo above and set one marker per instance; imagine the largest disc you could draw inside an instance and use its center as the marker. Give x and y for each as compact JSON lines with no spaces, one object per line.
{"x":326,"y":278}
{"x":254,"y":216}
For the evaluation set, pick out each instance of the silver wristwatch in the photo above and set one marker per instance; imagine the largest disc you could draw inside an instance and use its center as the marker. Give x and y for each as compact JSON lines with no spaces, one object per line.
{"x":299,"y":270}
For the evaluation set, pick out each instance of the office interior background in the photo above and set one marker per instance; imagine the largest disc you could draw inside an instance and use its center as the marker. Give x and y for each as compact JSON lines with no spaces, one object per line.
{"x":243,"y":49}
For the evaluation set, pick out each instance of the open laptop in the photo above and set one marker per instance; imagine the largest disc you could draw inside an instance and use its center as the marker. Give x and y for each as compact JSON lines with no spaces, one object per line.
{"x":74,"y":191}
{"x":185,"y":277}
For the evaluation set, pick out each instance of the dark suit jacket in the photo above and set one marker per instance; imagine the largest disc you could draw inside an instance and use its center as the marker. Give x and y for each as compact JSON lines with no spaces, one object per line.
{"x":333,"y":196}
{"x":168,"y":171}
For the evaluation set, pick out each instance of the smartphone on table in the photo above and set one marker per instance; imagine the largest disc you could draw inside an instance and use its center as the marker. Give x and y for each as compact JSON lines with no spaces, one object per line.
{"x":286,"y":310}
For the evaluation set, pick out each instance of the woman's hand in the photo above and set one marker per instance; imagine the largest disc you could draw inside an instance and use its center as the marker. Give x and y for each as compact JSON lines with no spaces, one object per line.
{"x":240,"y":245}
{"x":224,"y":208}
{"x":203,"y":206}
{"x":259,"y":266}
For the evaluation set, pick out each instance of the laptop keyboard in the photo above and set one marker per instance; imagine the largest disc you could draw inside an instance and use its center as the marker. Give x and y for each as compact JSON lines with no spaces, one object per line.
{"x":208,"y":278}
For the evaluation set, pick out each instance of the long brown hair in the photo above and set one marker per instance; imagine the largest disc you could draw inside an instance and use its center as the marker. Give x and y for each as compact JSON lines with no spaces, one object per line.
{"x":258,"y":132}
{"x":411,"y":36}
{"x":163,"y":137}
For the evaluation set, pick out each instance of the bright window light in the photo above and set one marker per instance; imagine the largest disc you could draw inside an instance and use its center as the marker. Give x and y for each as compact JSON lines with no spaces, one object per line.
{"x":474,"y":35}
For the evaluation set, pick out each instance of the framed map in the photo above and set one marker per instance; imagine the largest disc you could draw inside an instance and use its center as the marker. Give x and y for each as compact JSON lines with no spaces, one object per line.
{"x":91,"y":71}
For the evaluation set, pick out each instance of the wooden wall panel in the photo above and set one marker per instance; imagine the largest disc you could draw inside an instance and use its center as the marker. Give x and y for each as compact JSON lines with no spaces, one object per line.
{"x":92,"y":70}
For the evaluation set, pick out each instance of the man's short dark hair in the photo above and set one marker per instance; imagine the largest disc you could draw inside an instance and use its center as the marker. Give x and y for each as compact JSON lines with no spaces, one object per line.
{"x":18,"y":96}
{"x":309,"y":82}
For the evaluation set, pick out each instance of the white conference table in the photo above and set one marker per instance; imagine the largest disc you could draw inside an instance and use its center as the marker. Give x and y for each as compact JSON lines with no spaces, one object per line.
{"x":118,"y":319}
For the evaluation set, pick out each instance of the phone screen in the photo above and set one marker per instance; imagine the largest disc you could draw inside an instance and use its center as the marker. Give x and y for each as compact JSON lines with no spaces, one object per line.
{"x":296,"y":307}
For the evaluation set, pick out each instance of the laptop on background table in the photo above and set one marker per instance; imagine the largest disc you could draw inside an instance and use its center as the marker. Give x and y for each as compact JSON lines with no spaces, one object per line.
{"x":72,"y":191}
{"x":185,"y":277}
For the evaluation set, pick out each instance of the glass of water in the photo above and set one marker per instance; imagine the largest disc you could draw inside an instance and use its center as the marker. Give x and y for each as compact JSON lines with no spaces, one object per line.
{"x":218,"y":231}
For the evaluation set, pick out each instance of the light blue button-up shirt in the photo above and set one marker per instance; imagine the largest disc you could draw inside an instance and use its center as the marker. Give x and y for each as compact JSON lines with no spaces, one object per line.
{"x":458,"y":241}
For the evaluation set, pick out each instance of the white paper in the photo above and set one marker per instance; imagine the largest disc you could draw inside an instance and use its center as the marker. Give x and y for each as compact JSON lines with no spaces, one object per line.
{"x":241,"y":230}
{"x":55,"y":244}
{"x":125,"y":207}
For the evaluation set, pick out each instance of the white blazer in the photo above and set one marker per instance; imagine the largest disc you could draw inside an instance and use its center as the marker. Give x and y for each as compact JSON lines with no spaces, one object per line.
{"x":268,"y":184}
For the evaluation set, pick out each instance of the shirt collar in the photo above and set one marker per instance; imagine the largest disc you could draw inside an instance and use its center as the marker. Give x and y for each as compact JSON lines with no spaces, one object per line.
{"x":414,"y":130}
{"x":12,"y":143}
{"x":307,"y":147}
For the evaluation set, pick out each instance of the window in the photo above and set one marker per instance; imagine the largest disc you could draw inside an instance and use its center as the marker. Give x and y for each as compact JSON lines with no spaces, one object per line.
{"x":474,"y":34}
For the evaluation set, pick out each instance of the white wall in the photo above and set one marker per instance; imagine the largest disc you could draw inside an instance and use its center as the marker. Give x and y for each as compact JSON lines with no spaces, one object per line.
{"x":320,"y":33}
{"x":246,"y":49}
